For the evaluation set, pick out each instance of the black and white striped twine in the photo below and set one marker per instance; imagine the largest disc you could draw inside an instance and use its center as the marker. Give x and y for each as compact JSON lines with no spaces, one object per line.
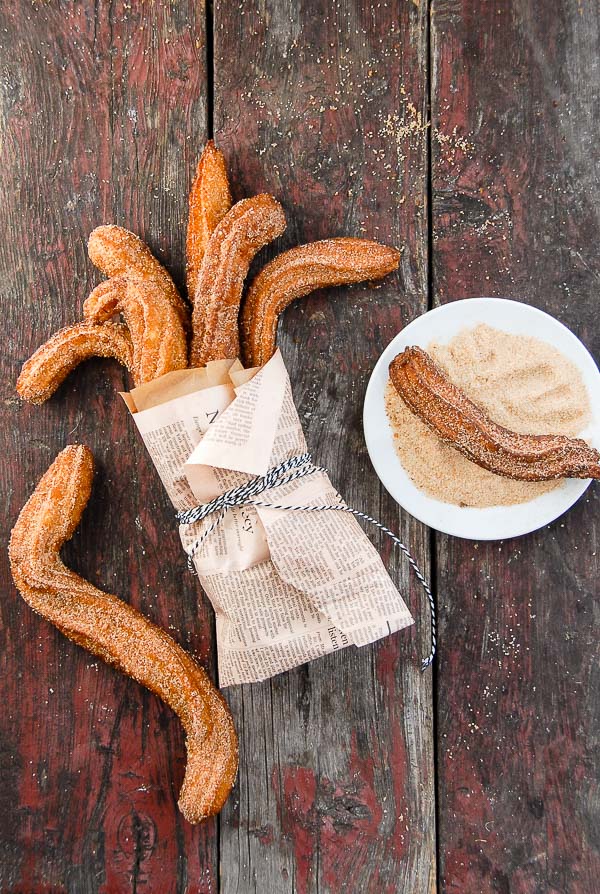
{"x":287,"y":471}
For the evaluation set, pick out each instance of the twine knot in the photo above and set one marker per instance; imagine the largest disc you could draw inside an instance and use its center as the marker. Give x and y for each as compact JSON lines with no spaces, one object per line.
{"x":242,"y":495}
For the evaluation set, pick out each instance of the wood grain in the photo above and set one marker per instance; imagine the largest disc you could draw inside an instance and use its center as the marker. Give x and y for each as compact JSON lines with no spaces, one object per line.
{"x":515,"y":179}
{"x":103,"y":111}
{"x":322,"y":105}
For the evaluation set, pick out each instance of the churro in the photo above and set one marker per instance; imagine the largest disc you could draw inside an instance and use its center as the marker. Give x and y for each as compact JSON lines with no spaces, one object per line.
{"x":299,"y":271}
{"x":245,"y":229}
{"x":55,"y":359}
{"x":209,"y":202}
{"x":445,"y":408}
{"x":117,"y":633}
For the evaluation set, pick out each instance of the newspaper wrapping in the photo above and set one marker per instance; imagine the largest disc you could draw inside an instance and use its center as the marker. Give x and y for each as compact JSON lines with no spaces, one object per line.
{"x":286,"y":586}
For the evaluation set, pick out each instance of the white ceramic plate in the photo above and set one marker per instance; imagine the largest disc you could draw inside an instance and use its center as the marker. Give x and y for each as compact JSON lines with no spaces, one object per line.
{"x":442,"y":324}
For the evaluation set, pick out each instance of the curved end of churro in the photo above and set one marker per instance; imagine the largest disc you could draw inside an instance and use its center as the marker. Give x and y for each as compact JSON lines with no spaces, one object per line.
{"x":30,"y":395}
{"x":104,"y":243}
{"x":119,"y":253}
{"x":272,"y":217}
{"x":594,"y":470}
{"x":212,"y":764}
{"x":50,"y":365}
{"x":52,"y":513}
{"x":413,"y":356}
{"x":210,"y":157}
{"x":400,"y":360}
{"x":410,"y":354}
{"x":388,"y":257}
{"x":102,"y":302}
{"x":116,"y":251}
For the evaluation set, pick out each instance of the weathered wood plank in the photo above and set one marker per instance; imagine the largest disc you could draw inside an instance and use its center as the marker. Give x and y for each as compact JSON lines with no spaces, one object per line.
{"x":321,"y":105}
{"x":103,"y":112}
{"x":514,"y":214}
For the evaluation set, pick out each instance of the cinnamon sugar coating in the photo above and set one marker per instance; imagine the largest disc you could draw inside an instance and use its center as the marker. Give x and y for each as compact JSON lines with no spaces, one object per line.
{"x":118,"y":252}
{"x":117,"y":633}
{"x":55,"y":359}
{"x":209,"y":202}
{"x":245,"y":229}
{"x":446,"y":409}
{"x":299,"y":271}
{"x":159,"y":341}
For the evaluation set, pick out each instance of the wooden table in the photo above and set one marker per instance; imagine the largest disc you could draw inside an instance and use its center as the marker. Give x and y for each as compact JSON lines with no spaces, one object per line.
{"x":465,"y":131}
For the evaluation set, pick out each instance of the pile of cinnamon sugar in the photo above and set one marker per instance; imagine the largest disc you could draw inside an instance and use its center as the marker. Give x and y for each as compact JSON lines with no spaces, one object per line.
{"x":523,"y":384}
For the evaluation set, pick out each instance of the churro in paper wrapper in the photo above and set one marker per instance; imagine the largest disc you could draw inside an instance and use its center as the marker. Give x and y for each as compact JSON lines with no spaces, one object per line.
{"x":286,"y":586}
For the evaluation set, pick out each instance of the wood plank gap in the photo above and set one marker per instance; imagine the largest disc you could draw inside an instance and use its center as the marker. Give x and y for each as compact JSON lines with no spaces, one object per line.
{"x":210,"y":68}
{"x":433,"y":570}
{"x":429,"y":170}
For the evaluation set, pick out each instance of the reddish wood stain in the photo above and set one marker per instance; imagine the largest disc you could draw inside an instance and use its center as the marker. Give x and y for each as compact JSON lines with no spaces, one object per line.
{"x":335,"y":821}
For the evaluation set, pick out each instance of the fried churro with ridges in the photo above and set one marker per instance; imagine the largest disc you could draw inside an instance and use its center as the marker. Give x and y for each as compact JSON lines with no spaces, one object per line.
{"x":55,"y":359}
{"x":456,"y":420}
{"x":117,"y":252}
{"x":117,"y":633}
{"x":209,"y":202}
{"x":299,"y":271}
{"x":159,"y":342}
{"x":245,"y":229}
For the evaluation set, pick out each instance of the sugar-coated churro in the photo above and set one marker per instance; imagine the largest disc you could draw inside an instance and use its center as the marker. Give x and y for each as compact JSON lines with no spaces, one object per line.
{"x":117,"y":633}
{"x":209,"y":202}
{"x":244,"y":230}
{"x":446,"y":409}
{"x":159,"y":342}
{"x":299,"y":271}
{"x":55,"y":359}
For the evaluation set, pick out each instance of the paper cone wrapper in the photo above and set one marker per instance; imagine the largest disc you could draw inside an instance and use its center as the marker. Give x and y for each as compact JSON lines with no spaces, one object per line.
{"x":287,"y":586}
